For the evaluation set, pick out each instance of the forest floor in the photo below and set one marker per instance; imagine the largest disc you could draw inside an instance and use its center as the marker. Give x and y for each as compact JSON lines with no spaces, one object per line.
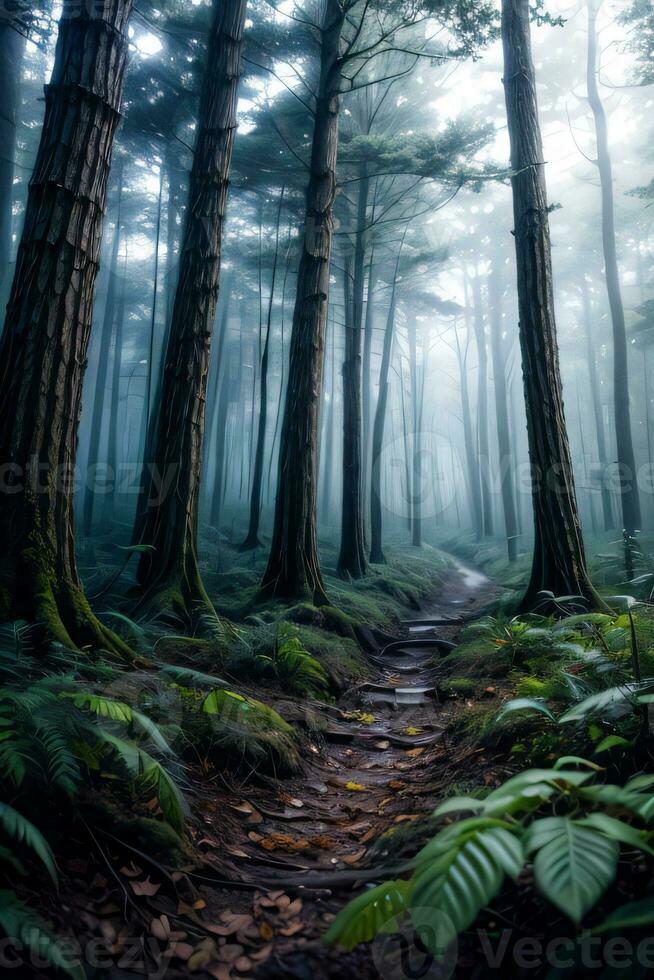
{"x":271,"y":860}
{"x":284,"y":826}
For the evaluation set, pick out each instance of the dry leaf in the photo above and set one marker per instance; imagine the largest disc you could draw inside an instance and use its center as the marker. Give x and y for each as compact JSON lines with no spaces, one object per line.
{"x":160,"y":928}
{"x":145,"y":887}
{"x":356,"y":787}
{"x":414,"y":753}
{"x":266,"y":931}
{"x":353,"y":858}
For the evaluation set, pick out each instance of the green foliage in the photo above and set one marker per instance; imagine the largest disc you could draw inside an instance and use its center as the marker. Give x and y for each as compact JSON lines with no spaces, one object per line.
{"x":294,"y":667}
{"x":554,"y":819}
{"x":21,"y":923}
{"x":366,"y":915}
{"x":20,"y":829}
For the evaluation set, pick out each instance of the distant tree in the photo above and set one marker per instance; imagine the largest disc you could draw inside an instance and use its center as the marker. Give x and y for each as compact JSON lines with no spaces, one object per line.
{"x":629,"y":496}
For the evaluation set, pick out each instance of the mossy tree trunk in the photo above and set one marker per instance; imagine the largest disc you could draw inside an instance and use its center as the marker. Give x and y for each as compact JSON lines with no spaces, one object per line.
{"x":559,"y":564}
{"x":293,"y":569}
{"x":44,"y":346}
{"x":169,"y":576}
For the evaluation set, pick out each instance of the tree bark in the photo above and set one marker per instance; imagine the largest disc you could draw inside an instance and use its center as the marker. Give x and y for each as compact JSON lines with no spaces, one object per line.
{"x":629,"y":495}
{"x":293,"y":569}
{"x":169,"y":576}
{"x":502,"y":416}
{"x":103,"y":369}
{"x":12,"y":47}
{"x":44,"y":346}
{"x":559,"y":564}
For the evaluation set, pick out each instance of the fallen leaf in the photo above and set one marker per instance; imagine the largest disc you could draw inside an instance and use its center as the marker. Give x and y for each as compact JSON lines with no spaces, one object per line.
{"x":229,"y":953}
{"x":382,"y":745}
{"x":356,"y":787}
{"x":397,"y":784}
{"x":353,"y":858}
{"x":160,"y":928}
{"x":266,"y":931}
{"x":292,"y":928}
{"x":247,"y":811}
{"x":243,"y":964}
{"x":182,"y":951}
{"x":145,"y":887}
{"x":414,"y":753}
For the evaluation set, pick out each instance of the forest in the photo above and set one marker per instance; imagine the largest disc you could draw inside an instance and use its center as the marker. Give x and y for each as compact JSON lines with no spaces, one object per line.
{"x":326,"y":489}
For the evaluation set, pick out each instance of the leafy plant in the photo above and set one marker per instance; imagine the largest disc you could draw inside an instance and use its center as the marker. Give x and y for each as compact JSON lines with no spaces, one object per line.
{"x":555,"y":820}
{"x":294,"y":666}
{"x":523,"y":637}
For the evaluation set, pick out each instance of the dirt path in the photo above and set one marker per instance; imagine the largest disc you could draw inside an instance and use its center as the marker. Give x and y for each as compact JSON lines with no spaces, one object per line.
{"x":292,"y":856}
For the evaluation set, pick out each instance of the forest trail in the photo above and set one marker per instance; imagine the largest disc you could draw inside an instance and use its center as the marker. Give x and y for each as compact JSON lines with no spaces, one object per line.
{"x":296,"y":851}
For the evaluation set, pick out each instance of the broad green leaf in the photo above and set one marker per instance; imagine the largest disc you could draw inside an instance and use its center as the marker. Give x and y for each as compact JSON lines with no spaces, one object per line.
{"x":460,"y":874}
{"x":629,"y":916}
{"x":576,"y":760}
{"x":458,"y":803}
{"x":611,"y":742}
{"x":525,"y":704}
{"x":573,"y":866}
{"x":598,"y":702}
{"x":364,"y":917}
{"x":617,"y":829}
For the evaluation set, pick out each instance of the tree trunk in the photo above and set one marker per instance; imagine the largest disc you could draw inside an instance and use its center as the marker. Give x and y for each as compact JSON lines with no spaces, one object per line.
{"x":607,"y":509}
{"x":472,"y":467}
{"x":417,"y":397}
{"x":482,"y":408}
{"x":12,"y":47}
{"x":629,"y":487}
{"x":44,"y":346}
{"x":169,"y":576}
{"x":366,"y":381}
{"x":559,"y":563}
{"x":502,"y":417}
{"x":224,"y":383}
{"x":376,"y":537}
{"x":114,"y":434}
{"x":352,"y":561}
{"x":103,"y":368}
{"x":293,"y":569}
{"x":252,"y":538}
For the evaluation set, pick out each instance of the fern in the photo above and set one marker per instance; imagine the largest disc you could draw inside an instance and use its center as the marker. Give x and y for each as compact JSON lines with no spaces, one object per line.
{"x":150,"y":776}
{"x":22,"y":925}
{"x":22,"y":830}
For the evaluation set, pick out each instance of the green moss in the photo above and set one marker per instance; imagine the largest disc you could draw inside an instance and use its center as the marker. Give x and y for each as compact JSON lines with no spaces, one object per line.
{"x":460,"y":687}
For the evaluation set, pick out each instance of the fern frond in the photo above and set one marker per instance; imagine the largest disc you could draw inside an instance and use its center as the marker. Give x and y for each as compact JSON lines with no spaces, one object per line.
{"x":22,"y":924}
{"x":22,"y":830}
